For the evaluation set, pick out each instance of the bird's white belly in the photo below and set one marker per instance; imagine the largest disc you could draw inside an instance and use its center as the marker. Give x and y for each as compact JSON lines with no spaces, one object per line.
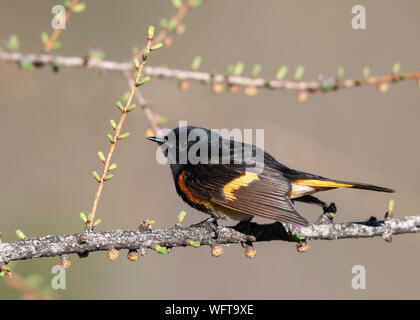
{"x":299,"y":190}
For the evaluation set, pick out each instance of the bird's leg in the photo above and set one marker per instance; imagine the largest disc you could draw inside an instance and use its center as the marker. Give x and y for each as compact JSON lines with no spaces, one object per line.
{"x":211,"y":223}
{"x":329,"y":211}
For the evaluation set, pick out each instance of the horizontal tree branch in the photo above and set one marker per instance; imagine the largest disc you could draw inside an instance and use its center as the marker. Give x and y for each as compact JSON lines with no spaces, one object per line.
{"x":179,"y":236}
{"x":40,"y":60}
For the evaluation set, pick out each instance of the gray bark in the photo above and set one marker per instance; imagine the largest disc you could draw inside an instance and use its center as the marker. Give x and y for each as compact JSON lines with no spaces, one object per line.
{"x":83,"y":243}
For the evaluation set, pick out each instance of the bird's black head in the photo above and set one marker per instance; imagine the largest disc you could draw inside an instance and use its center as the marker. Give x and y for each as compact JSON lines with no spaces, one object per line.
{"x":191,"y":145}
{"x":188,"y":145}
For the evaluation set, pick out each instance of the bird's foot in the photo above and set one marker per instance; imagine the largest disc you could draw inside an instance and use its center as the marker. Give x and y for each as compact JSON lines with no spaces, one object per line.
{"x":331,"y":209}
{"x":211,"y":224}
{"x":328,"y":215}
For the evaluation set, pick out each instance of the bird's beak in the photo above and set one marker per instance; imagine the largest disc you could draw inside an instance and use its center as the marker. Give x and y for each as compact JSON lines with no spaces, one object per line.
{"x":156,"y":139}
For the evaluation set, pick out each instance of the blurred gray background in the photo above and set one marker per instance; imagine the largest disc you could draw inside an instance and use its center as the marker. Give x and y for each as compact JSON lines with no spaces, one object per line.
{"x":52,"y":125}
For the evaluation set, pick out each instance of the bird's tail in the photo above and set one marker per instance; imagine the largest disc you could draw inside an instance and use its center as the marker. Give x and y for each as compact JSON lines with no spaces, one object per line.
{"x":328,"y":183}
{"x":366,"y":186}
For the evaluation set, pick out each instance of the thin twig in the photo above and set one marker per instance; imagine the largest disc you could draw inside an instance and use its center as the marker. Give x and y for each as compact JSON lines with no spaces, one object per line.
{"x":150,"y":115}
{"x":176,"y":19}
{"x":205,"y":77}
{"x":21,"y":285}
{"x":54,"y":36}
{"x":162,"y":35}
{"x":117,"y":132}
{"x":182,"y":236}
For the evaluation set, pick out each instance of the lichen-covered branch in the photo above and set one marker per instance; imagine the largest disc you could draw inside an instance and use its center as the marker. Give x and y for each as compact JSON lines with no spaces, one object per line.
{"x":324,"y":85}
{"x":179,"y":236}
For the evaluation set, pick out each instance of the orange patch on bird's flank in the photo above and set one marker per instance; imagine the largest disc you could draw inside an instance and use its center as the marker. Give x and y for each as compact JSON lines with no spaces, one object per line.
{"x":321,"y":183}
{"x":235,"y":184}
{"x":184,"y":189}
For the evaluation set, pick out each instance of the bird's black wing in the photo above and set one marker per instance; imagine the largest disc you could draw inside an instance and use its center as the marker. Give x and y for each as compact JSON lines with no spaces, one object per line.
{"x":246,"y":190}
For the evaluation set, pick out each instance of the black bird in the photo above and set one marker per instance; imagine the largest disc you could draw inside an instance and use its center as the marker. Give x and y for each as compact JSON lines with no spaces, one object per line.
{"x":234,"y":180}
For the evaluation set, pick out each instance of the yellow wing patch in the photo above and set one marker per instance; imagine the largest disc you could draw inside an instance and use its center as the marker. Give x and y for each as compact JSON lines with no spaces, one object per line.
{"x":321,"y":183}
{"x":235,"y":184}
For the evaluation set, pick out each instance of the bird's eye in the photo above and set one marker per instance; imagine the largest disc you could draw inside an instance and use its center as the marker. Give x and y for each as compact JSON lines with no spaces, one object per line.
{"x":165,"y":138}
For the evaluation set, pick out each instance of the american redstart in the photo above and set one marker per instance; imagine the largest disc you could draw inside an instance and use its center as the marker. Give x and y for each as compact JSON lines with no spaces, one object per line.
{"x":235,"y":180}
